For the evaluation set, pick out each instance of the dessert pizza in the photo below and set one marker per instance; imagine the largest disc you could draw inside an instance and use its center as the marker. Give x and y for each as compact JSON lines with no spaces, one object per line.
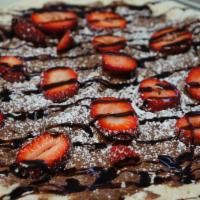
{"x":99,"y":101}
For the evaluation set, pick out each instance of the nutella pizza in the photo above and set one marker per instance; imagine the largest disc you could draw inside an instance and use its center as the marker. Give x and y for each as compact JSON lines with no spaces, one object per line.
{"x":99,"y":100}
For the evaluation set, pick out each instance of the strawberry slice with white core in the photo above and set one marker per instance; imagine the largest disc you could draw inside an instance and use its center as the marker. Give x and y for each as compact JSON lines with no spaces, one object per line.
{"x":158,"y":95}
{"x":46,"y":147}
{"x":119,"y":153}
{"x":58,"y":84}
{"x":193,"y":83}
{"x":119,"y":64}
{"x":171,"y":41}
{"x":108,"y":43}
{"x":188,"y":128}
{"x":105,"y":20}
{"x":55,"y":22}
{"x":11,"y":68}
{"x":65,"y":43}
{"x":115,"y":118}
{"x":10,"y":61}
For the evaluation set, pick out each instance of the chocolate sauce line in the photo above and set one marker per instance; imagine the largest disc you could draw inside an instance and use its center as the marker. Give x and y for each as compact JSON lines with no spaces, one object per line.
{"x":158,"y":119}
{"x":40,"y":113}
{"x":14,"y":143}
{"x":139,"y":47}
{"x":177,"y":31}
{"x":85,"y":127}
{"x":46,"y":57}
{"x":17,"y":142}
{"x":185,"y":43}
{"x":104,"y":179}
{"x":169,"y":73}
{"x":153,"y":142}
{"x":162,"y":159}
{"x":81,"y":85}
{"x":105,"y":83}
{"x":196,"y":44}
{"x":99,"y":101}
{"x":123,"y":114}
{"x":19,"y":192}
{"x":194,"y":84}
{"x":4,"y":95}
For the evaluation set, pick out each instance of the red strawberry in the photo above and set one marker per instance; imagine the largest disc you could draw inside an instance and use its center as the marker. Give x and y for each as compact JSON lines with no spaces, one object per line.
{"x":158,"y":95}
{"x":115,"y":117}
{"x":119,"y":64}
{"x":55,"y":22}
{"x":59,"y":83}
{"x":193,"y":83}
{"x":11,"y":68}
{"x":1,"y":119}
{"x":171,"y":41}
{"x":108,"y":43}
{"x":188,"y":128}
{"x":28,"y":32}
{"x":105,"y":20}
{"x":65,"y":43}
{"x":120,"y":153}
{"x":46,"y":147}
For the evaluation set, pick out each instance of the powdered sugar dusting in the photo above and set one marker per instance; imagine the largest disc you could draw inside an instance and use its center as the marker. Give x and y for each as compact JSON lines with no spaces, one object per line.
{"x":89,"y":67}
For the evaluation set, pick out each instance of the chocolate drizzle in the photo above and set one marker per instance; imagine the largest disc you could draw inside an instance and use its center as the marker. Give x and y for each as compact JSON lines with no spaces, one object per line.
{"x":168,"y":168}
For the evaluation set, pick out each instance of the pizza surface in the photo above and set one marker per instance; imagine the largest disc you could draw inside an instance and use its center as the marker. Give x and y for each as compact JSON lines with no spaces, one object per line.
{"x":99,"y":101}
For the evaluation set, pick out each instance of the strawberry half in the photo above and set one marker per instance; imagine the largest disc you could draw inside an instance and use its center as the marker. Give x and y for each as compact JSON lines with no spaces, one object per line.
{"x":28,"y":32}
{"x":59,"y":83}
{"x":65,"y":43}
{"x":108,"y":43}
{"x":46,"y":147}
{"x":1,"y":119}
{"x":119,"y":153}
{"x":193,"y":83}
{"x":115,"y":118}
{"x":188,"y":128}
{"x":171,"y":41}
{"x":11,"y":68}
{"x":158,"y":95}
{"x":55,"y":22}
{"x":105,"y":20}
{"x":119,"y":64}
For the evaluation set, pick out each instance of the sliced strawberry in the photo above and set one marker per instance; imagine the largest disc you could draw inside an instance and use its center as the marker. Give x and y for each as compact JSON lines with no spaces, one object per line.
{"x":28,"y":32}
{"x":188,"y":128}
{"x":59,"y":83}
{"x":158,"y":95}
{"x":55,"y":22}
{"x":108,"y":43}
{"x":171,"y":41}
{"x":193,"y":83}
{"x":46,"y":147}
{"x":119,"y":153}
{"x":11,"y":68}
{"x":65,"y":43}
{"x":115,"y":118}
{"x":1,"y":119}
{"x":119,"y":64}
{"x":105,"y":20}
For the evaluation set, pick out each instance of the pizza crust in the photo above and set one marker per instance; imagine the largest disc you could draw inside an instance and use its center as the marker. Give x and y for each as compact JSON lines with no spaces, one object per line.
{"x":166,"y":192}
{"x":172,"y":10}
